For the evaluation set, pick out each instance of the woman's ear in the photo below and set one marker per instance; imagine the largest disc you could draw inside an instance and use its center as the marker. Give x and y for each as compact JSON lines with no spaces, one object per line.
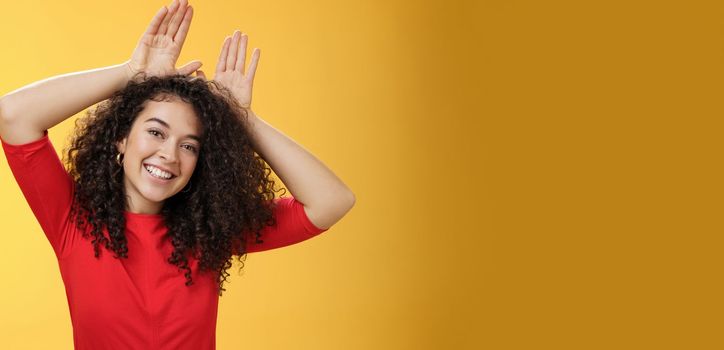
{"x":121,"y":146}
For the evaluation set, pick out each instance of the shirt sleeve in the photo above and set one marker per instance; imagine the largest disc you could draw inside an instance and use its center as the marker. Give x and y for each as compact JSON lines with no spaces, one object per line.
{"x":47,"y":188}
{"x":292,"y":226}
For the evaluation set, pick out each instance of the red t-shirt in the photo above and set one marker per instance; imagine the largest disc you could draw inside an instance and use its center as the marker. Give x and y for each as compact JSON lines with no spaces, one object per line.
{"x":140,"y":302}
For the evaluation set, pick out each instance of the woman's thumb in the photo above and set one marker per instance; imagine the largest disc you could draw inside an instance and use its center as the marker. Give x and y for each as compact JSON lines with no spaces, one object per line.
{"x":190,"y":67}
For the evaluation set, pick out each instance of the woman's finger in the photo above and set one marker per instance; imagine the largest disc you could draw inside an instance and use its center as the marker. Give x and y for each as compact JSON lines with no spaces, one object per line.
{"x":233,"y":49}
{"x":241,"y":55}
{"x":201,"y":74}
{"x":252,"y":66}
{"x":221,"y":65}
{"x":177,"y":18}
{"x":183,"y":30}
{"x":156,"y":21}
{"x":171,"y":12}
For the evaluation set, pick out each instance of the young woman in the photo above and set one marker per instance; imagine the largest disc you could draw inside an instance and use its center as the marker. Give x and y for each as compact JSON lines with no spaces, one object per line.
{"x":166,"y":182}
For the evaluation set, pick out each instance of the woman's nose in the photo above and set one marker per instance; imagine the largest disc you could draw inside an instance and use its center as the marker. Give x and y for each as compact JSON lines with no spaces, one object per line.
{"x":168,"y":151}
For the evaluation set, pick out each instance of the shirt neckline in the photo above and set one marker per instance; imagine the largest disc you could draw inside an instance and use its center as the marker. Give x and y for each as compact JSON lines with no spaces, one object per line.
{"x":129,"y":214}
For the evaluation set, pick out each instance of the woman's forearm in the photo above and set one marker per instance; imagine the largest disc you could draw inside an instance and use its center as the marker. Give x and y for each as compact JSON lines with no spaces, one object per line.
{"x":325,"y":197}
{"x":26,"y":112}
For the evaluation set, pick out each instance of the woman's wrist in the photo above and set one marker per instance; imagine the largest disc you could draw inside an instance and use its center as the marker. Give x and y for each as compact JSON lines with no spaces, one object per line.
{"x":130,"y":70}
{"x":251,"y":119}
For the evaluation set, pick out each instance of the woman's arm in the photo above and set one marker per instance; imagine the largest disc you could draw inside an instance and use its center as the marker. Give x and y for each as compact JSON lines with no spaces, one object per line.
{"x":326,"y":198}
{"x":27,"y":112}
{"x":30,"y":110}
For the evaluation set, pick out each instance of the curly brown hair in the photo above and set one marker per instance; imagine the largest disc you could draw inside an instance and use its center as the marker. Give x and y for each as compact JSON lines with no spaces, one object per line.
{"x":231,"y":196}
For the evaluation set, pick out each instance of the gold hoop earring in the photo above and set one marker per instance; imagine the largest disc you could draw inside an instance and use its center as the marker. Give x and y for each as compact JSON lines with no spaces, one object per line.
{"x":119,"y":159}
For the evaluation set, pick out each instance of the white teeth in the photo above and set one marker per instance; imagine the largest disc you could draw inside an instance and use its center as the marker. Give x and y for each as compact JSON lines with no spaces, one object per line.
{"x":158,"y":172}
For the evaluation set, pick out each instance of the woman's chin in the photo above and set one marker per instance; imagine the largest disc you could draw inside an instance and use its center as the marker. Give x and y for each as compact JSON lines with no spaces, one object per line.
{"x":155,"y":196}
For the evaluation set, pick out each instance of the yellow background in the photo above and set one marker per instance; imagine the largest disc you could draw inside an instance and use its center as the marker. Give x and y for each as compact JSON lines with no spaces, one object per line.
{"x":529,"y":174}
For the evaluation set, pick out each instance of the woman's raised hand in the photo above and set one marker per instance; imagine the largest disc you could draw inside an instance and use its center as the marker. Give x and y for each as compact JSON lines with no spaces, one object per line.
{"x":230,"y":68}
{"x":160,"y":46}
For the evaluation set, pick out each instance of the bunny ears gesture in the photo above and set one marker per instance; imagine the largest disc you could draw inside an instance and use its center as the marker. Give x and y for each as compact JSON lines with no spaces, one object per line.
{"x":160,"y":46}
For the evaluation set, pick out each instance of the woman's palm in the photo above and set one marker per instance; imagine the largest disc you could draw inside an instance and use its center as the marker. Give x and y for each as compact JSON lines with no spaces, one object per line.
{"x":159,"y":53}
{"x":160,"y":46}
{"x":239,"y":85}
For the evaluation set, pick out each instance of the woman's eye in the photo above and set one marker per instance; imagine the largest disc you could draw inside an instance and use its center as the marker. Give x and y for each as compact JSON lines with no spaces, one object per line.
{"x":190,"y":148}
{"x":154,"y":132}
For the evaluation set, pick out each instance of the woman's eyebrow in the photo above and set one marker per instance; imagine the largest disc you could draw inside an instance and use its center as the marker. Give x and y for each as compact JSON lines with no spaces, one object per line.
{"x":154,"y":119}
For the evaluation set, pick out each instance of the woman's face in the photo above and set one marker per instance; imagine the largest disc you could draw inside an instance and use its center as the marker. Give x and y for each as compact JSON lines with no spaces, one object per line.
{"x":159,"y":154}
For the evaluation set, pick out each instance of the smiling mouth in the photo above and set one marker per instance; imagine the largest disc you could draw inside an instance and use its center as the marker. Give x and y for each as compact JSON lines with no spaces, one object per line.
{"x":158,"y":173}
